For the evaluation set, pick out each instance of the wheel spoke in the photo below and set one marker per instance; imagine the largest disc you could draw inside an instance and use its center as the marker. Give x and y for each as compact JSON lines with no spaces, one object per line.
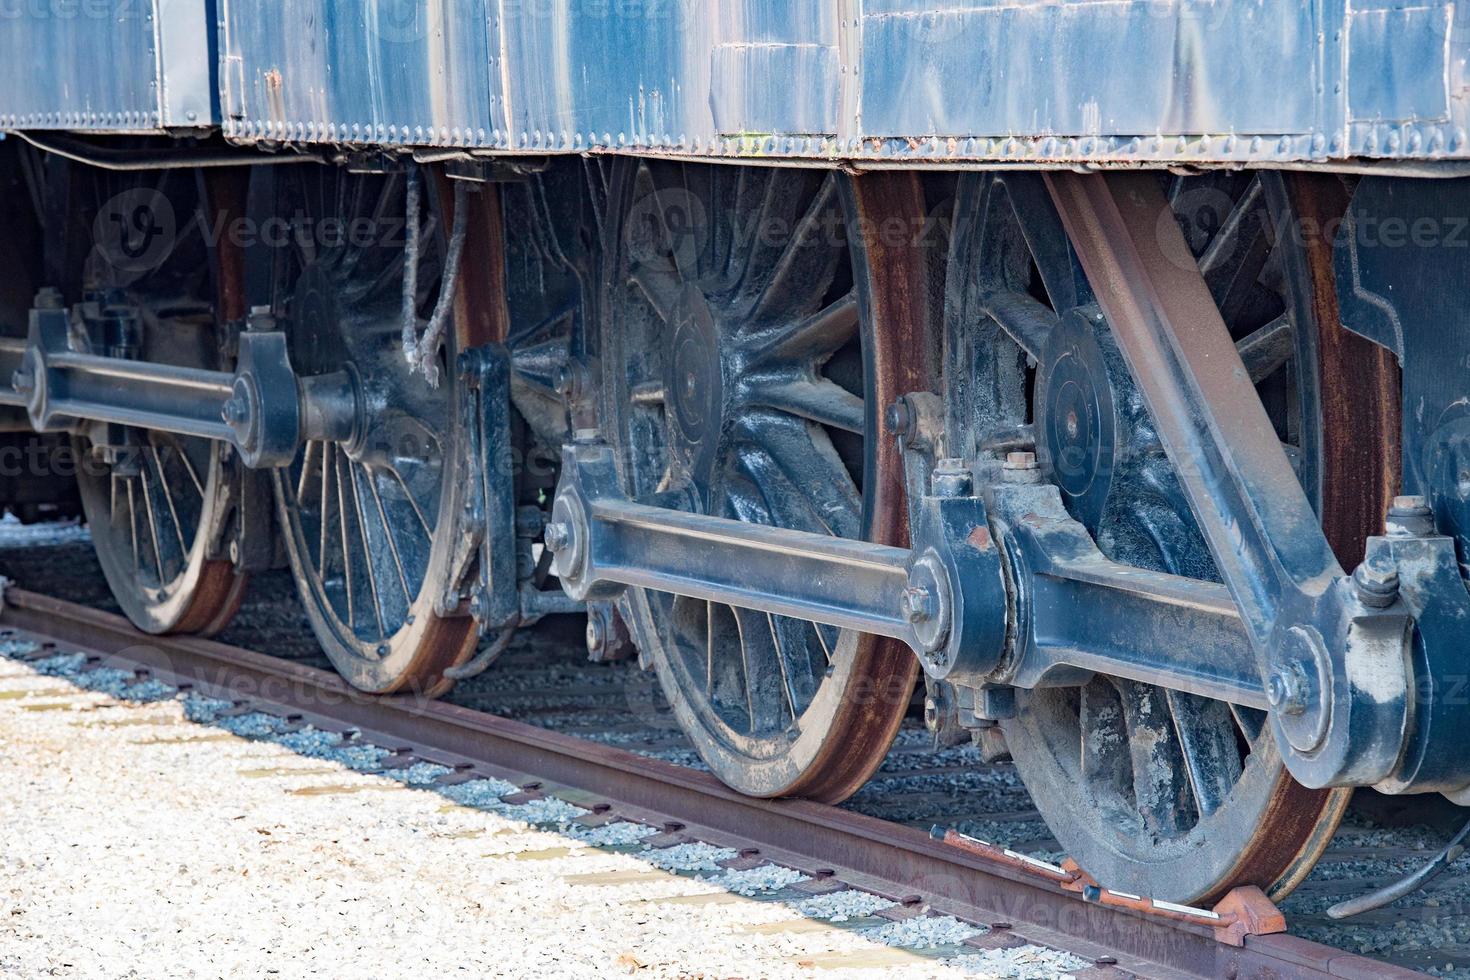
{"x":1103,"y":750}
{"x":1267,"y":349}
{"x":1046,"y":239}
{"x":1159,"y":789}
{"x":360,"y":513}
{"x":808,"y":259}
{"x":1207,"y":742}
{"x":388,"y":533}
{"x":814,"y":339}
{"x":814,"y":476}
{"x":1027,"y":321}
{"x":816,"y":400}
{"x":765,"y":693}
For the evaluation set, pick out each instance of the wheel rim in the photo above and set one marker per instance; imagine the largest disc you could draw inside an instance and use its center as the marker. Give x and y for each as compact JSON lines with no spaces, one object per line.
{"x":161,"y":507}
{"x":742,"y":378}
{"x":1152,"y":792}
{"x":368,"y":522}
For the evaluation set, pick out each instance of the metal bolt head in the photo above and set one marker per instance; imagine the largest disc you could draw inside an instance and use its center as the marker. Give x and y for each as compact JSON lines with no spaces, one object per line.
{"x":23,"y":381}
{"x":49,"y":298}
{"x":899,"y":418}
{"x":1286,"y":690}
{"x":1377,"y":584}
{"x":919,"y":605}
{"x":1410,"y":516}
{"x":1021,"y":461}
{"x":235,"y":411}
{"x":596,"y":634}
{"x":952,"y":478}
{"x":931,"y":714}
{"x":557,"y":536}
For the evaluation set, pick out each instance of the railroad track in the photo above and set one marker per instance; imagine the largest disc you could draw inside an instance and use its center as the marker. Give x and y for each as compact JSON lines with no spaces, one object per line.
{"x":1021,"y":902}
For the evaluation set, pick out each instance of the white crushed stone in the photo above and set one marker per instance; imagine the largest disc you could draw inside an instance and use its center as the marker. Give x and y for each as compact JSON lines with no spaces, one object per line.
{"x":923,"y":932}
{"x":309,"y":741}
{"x":688,"y":857}
{"x":201,"y":709}
{"x":755,"y":881}
{"x":624,"y":833}
{"x":135,"y":853}
{"x":255,"y":724}
{"x":61,"y":665}
{"x":1021,"y":963}
{"x":418,"y":774}
{"x":844,"y":905}
{"x":482,"y":793}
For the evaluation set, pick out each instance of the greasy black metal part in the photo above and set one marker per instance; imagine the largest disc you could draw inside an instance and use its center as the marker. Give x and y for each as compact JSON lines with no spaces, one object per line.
{"x":1078,"y":612}
{"x":261,"y":408}
{"x":1401,"y":268}
{"x":1338,"y":668}
{"x":489,"y":512}
{"x":944,"y":597}
{"x":808,"y":835}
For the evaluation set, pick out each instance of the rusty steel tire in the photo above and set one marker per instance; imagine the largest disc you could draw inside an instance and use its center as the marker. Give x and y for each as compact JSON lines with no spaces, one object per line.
{"x":400,"y":481}
{"x":775,"y":707}
{"x":191,"y":487}
{"x":1131,"y":816}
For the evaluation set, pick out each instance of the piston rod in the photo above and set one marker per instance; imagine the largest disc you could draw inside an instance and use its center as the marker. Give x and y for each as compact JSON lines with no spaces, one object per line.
{"x":262,"y":408}
{"x":1067,"y":613}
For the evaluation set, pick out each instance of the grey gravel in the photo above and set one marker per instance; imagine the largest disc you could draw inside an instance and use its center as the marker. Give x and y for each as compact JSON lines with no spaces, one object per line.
{"x":756,"y":881}
{"x":923,"y":932}
{"x":688,"y":857}
{"x":844,"y":905}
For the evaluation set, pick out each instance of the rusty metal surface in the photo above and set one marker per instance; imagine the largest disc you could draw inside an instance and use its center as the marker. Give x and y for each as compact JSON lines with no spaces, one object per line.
{"x":952,"y":879}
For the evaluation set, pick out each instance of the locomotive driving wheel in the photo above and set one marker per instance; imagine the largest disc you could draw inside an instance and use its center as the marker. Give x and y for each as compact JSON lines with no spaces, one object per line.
{"x":1155,"y":792}
{"x":162,"y":509}
{"x":749,"y":343}
{"x":368,"y":520}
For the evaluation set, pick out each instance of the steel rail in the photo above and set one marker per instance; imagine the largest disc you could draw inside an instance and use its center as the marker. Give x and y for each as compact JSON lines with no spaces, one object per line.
{"x":858,"y":848}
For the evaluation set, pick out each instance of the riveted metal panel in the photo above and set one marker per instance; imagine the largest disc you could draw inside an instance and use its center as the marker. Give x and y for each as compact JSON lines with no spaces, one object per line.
{"x":1088,"y":69}
{"x":380,"y":71}
{"x":107,"y":65}
{"x":1013,"y":82}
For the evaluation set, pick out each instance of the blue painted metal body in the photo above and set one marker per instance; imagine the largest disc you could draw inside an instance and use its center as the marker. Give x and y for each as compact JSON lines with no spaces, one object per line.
{"x":1036,"y":82}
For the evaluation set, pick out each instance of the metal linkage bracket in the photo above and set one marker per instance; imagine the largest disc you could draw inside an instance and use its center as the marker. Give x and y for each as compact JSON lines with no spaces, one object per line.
{"x":262,"y":408}
{"x":945,"y":598}
{"x":1338,"y":669}
{"x":486,"y":533}
{"x":1077,"y":612}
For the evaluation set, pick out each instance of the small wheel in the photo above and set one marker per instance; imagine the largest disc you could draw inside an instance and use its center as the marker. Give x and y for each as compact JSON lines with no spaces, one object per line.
{"x":368,"y":523}
{"x":744,"y":375}
{"x":161,"y":508}
{"x":1153,"y":792}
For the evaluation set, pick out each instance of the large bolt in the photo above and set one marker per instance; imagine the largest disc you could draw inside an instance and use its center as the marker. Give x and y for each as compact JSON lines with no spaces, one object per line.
{"x":1287,"y":690}
{"x":1377,"y":584}
{"x":952,"y":479}
{"x":23,"y":381}
{"x":557,"y":536}
{"x":235,"y":411}
{"x":1410,"y":517}
{"x":899,"y":418}
{"x":596,"y":636}
{"x":49,"y":298}
{"x":1021,"y":467}
{"x":919,"y":605}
